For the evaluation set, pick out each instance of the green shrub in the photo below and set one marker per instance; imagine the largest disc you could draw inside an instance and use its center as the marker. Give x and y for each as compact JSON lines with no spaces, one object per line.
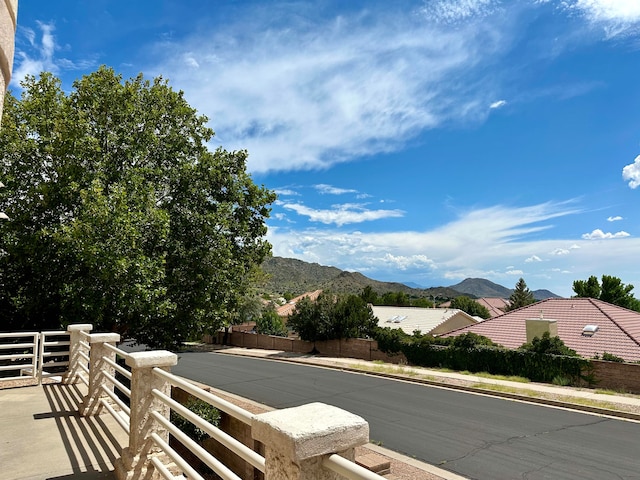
{"x":549,"y":345}
{"x":562,"y":381}
{"x":609,"y":357}
{"x":204,"y":410}
{"x":478,"y":354}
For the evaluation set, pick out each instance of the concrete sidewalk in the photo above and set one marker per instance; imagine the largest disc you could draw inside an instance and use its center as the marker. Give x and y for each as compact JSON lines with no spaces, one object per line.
{"x":44,"y":438}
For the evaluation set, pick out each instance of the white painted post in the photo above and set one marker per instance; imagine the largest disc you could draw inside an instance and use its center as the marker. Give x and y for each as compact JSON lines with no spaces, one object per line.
{"x":296,"y":440}
{"x":134,"y":462}
{"x":97,"y":368}
{"x":75,"y":337}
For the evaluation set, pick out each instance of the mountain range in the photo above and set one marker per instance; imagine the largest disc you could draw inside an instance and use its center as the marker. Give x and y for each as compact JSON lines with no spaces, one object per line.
{"x":292,"y":276}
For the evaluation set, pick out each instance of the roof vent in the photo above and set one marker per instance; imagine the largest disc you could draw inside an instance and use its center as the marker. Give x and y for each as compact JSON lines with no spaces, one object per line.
{"x":589,"y":330}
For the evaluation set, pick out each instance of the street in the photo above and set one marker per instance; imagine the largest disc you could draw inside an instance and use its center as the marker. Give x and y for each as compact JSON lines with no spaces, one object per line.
{"x":472,"y":435}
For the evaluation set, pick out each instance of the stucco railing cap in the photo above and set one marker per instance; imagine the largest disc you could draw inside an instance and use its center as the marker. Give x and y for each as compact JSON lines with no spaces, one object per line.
{"x":154,"y":358}
{"x":76,"y":327}
{"x":104,"y":337}
{"x":310,"y":430}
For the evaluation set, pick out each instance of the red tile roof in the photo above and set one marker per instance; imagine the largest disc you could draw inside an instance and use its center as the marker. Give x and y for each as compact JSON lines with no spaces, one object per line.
{"x":288,"y":308}
{"x":495,"y":305}
{"x":618,"y":328}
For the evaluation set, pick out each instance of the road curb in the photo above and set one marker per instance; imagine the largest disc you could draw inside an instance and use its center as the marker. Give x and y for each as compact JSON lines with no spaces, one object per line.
{"x":463,"y":388}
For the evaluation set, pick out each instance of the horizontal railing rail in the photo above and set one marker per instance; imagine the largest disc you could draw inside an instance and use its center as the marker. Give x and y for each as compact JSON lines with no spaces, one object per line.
{"x":122,"y":417}
{"x":348,"y":469}
{"x":54,"y":355}
{"x":22,"y":357}
{"x":238,"y":448}
{"x":287,"y":442}
{"x":221,"y":404}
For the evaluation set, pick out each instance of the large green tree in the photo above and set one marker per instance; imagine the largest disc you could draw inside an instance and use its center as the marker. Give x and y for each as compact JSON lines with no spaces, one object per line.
{"x":120,"y":215}
{"x":611,"y":290}
{"x":521,"y":296}
{"x":332,"y":317}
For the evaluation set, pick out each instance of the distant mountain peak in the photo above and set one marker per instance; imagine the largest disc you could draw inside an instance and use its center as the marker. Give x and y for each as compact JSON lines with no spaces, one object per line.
{"x":290,"y":275}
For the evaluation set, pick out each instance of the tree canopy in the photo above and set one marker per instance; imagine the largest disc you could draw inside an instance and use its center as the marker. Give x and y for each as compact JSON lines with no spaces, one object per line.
{"x":332,"y":317}
{"x":270,"y":323}
{"x":611,"y":290}
{"x":120,"y":215}
{"x":521,"y":296}
{"x":548,"y":345}
{"x":470,"y":306}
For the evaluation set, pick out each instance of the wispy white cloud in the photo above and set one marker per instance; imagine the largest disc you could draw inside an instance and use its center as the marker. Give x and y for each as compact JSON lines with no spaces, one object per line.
{"x":614,"y":219}
{"x":467,"y":246}
{"x":463,"y":247}
{"x":610,"y":10}
{"x":514,"y":272}
{"x":631,"y":173}
{"x":533,"y":258}
{"x":286,"y":191}
{"x":342,"y":214}
{"x":498,"y":104}
{"x":39,"y":58}
{"x":617,"y":17}
{"x":451,"y":11}
{"x":331,"y":190}
{"x":598,"y":234}
{"x":311,"y":94}
{"x":36,"y":53}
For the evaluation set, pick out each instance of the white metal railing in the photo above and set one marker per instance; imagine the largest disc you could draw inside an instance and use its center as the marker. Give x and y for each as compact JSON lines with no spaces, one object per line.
{"x":348,"y":469}
{"x":247,"y":454}
{"x":23,"y":358}
{"x":49,"y":349}
{"x":53,"y":346}
{"x":123,"y":417}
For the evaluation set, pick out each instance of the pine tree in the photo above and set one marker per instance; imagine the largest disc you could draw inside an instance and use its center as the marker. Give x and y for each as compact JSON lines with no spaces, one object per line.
{"x":521,"y":296}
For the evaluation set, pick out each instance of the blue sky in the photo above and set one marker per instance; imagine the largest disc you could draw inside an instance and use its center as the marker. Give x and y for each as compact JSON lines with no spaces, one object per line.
{"x":412,"y":141}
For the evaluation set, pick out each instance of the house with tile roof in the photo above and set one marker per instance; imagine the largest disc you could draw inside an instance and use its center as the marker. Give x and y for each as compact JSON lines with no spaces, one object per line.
{"x":433,"y":321}
{"x":590,"y":327}
{"x":495,"y":305}
{"x":288,"y":308}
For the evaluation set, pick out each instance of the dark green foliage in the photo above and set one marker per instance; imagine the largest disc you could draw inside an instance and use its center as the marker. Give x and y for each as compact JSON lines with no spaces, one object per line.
{"x":609,"y":357}
{"x":332,"y":317}
{"x":270,"y":323}
{"x":548,"y":345}
{"x":589,"y":288}
{"x":396,"y":299}
{"x":612,"y":290}
{"x":391,"y":340}
{"x":521,"y":296}
{"x":475,"y":353}
{"x":120,"y":214}
{"x":470,"y":340}
{"x":369,"y":295}
{"x":421,"y":302}
{"x":204,"y":410}
{"x":470,"y":306}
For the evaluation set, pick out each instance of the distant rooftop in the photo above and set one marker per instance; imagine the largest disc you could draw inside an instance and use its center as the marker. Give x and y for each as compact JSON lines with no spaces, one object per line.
{"x":427,"y":320}
{"x":617,"y":332}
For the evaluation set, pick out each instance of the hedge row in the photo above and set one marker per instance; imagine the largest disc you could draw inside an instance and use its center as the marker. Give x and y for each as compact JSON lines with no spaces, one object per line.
{"x":443,"y":353}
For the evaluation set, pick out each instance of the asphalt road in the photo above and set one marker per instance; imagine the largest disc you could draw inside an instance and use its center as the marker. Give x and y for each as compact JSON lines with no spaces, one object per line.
{"x":476,"y":436}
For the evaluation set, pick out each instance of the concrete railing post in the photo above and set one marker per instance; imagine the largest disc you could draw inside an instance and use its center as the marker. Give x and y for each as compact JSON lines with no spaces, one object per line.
{"x":97,"y":368}
{"x":297,"y":440}
{"x":75,"y":337}
{"x":134,"y":462}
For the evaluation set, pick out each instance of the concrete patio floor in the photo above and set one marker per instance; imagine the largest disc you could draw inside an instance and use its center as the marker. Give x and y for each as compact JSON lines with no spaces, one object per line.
{"x":42,"y":436}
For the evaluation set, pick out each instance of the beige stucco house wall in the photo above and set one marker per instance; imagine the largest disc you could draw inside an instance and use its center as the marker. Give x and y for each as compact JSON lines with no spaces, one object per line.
{"x":8,"y":16}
